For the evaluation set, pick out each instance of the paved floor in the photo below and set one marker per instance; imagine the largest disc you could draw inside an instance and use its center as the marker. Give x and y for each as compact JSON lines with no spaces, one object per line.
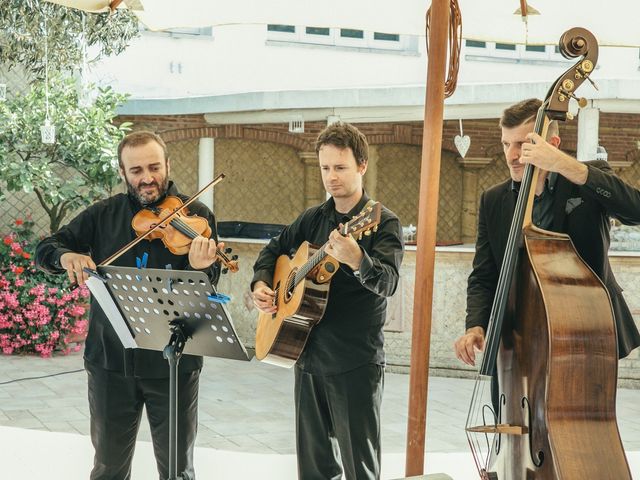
{"x":247,"y":406}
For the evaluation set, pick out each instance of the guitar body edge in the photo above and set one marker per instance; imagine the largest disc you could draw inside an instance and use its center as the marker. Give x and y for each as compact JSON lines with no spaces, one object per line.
{"x":294,"y":331}
{"x":281,"y":337}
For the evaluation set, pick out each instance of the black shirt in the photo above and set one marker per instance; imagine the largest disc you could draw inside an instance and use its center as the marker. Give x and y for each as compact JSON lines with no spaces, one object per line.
{"x":350,"y":332}
{"x":99,"y":231}
{"x":542,"y":214}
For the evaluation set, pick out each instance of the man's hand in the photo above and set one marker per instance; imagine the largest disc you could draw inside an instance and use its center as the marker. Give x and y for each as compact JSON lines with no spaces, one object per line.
{"x":202,"y":253}
{"x":74,"y":263}
{"x":344,"y":249}
{"x":547,"y":157}
{"x":264,"y":297}
{"x":467,"y":345}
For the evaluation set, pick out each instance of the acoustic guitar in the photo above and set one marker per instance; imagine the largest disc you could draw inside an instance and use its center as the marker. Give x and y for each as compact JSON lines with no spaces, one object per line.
{"x":301,"y":286}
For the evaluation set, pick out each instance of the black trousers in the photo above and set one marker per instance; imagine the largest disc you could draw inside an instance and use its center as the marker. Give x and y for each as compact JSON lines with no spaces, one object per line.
{"x":338,"y":424}
{"x":115,"y":405}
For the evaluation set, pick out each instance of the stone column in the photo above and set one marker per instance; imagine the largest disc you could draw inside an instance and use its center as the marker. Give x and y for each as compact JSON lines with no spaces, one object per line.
{"x":206,"y":163}
{"x":313,"y":189}
{"x":371,"y":177}
{"x":588,"y":122}
{"x":469,"y":215}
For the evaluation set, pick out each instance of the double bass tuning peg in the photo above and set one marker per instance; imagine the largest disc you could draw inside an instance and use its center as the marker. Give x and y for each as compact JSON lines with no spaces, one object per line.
{"x":228,"y":250}
{"x":224,"y":270}
{"x":235,"y":257}
{"x":563,"y":94}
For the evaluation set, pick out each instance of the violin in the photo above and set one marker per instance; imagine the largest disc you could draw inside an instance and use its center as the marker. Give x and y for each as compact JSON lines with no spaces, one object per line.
{"x":178,"y":233}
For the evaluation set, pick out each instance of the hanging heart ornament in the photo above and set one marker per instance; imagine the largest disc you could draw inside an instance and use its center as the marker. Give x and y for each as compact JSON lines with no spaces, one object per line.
{"x":462,"y":143}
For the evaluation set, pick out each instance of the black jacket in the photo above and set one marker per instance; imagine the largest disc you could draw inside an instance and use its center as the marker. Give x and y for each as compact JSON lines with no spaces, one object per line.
{"x":350,"y":332}
{"x":583,"y":213}
{"x":99,"y":231}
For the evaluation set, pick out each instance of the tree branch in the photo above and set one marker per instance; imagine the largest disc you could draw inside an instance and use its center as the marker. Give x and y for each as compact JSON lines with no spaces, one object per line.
{"x":42,"y":201}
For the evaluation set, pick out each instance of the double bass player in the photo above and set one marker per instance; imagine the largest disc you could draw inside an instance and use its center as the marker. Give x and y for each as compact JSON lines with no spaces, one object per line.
{"x":572,"y":197}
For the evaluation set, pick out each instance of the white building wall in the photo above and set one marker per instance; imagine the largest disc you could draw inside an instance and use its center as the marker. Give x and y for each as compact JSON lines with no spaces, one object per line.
{"x":249,"y":61}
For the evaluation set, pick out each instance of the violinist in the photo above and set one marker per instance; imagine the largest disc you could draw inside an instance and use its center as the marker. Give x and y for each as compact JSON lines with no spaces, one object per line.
{"x":121,"y":382}
{"x":572,"y":197}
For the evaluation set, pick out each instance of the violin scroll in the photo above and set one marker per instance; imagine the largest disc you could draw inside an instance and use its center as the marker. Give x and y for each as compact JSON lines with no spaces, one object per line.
{"x":230,"y":264}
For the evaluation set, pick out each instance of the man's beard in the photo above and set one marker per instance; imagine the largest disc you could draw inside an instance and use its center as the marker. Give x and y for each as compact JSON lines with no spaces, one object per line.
{"x":146,"y":199}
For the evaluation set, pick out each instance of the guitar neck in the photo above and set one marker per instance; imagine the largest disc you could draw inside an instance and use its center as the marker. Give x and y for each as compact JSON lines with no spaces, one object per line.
{"x":366,"y":220}
{"x":310,"y":264}
{"x":316,"y":258}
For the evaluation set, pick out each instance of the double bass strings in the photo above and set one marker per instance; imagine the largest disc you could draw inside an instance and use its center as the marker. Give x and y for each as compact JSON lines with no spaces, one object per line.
{"x":478,"y":407}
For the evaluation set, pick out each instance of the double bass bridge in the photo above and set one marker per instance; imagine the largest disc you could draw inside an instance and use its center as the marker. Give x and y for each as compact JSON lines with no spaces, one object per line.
{"x":501,"y":429}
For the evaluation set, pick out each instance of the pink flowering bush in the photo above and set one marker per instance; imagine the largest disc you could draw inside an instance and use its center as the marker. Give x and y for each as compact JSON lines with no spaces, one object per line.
{"x":38,"y":312}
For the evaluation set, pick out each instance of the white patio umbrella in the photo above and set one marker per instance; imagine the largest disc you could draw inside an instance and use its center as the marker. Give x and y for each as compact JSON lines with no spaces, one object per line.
{"x":614,"y":23}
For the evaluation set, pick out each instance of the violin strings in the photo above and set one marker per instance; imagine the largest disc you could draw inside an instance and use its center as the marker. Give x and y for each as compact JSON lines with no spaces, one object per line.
{"x":190,"y":232}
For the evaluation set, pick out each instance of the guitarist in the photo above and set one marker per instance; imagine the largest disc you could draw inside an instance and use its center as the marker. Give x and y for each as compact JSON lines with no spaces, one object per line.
{"x":339,"y":377}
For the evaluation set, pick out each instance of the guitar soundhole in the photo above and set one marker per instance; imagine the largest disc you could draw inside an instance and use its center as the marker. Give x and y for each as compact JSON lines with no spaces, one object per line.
{"x":291,"y":285}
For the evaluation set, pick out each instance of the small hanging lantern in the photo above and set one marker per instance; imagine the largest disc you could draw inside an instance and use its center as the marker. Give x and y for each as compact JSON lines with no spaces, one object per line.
{"x":48,"y":132}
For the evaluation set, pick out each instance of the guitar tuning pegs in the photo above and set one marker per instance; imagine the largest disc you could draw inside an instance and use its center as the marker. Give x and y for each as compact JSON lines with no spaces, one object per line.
{"x":367,"y":233}
{"x":235,"y":257}
{"x":359,"y":236}
{"x":375,"y":229}
{"x":228,"y":250}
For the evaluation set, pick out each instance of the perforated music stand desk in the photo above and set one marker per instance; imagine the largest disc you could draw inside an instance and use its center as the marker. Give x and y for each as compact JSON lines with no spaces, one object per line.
{"x":169,"y":311}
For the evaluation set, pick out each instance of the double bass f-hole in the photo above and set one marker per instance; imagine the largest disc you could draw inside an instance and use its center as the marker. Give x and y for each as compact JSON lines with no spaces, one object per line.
{"x":539,"y":458}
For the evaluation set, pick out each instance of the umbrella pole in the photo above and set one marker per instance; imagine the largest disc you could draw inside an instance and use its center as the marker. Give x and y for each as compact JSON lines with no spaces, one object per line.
{"x":426,"y":238}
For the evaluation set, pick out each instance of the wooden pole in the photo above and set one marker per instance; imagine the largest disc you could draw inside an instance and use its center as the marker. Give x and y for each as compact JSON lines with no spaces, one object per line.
{"x":426,"y":239}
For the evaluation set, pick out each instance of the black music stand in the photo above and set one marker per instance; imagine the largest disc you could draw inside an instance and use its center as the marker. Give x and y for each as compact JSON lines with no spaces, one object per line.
{"x":172,"y":311}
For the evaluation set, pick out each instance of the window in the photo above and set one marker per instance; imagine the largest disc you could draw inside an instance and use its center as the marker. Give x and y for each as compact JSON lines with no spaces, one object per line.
{"x":506,"y":46}
{"x":350,"y":33}
{"x":475,"y":44}
{"x":513,"y":53}
{"x":345,"y":38}
{"x":281,"y":28}
{"x":387,"y":37}
{"x":317,"y":31}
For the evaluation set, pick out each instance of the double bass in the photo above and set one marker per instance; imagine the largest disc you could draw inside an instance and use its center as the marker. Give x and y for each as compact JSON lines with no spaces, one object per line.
{"x":550,"y":359}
